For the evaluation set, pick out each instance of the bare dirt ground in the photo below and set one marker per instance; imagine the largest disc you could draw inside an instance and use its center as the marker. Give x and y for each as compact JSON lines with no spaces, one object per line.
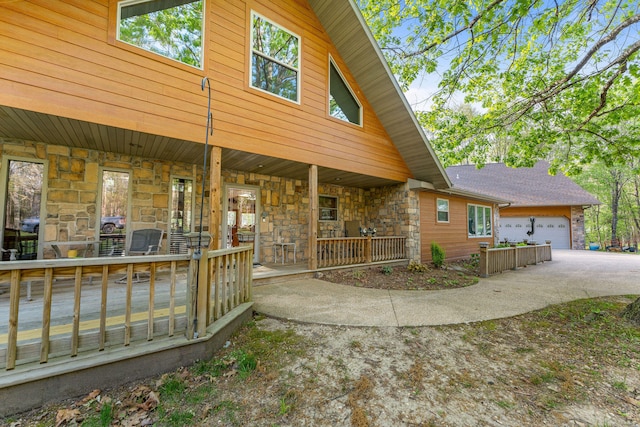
{"x":576,"y":364}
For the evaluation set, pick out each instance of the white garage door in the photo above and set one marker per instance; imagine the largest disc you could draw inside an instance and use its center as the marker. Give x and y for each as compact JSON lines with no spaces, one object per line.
{"x":554,"y":228}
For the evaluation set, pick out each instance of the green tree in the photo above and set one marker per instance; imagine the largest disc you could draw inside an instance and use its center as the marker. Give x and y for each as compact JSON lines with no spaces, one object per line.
{"x":557,"y":80}
{"x":172,"y":31}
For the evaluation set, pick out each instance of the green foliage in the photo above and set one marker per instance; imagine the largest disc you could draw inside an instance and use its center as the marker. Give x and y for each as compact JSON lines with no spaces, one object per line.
{"x":103,"y":419}
{"x":437,"y":255}
{"x":417,"y":267}
{"x":245,"y":362}
{"x":387,"y":270}
{"x":172,"y":388}
{"x":555,"y":80}
{"x":474,"y":261}
{"x":358,"y":274}
{"x":174,"y":32}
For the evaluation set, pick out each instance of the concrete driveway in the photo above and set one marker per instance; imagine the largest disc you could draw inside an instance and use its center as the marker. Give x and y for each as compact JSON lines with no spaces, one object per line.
{"x":570,"y":276}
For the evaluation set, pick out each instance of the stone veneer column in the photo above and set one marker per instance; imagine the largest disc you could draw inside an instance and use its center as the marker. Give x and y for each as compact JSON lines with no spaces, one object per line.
{"x":577,"y":228}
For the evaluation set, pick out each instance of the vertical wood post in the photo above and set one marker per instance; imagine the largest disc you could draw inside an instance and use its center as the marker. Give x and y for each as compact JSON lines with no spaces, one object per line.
{"x":484,"y":262}
{"x":192,"y":279}
{"x":203,"y":292}
{"x":14,"y":308}
{"x":515,"y":257}
{"x":313,"y":217}
{"x":215,"y":191}
{"x":367,"y":250}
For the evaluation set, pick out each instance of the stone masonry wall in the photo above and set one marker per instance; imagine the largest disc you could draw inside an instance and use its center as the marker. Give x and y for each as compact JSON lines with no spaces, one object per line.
{"x":577,"y":228}
{"x":73,"y":186}
{"x":392,"y":210}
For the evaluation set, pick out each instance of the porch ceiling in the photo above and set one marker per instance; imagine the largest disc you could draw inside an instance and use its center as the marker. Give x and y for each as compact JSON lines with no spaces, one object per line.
{"x":32,"y":126}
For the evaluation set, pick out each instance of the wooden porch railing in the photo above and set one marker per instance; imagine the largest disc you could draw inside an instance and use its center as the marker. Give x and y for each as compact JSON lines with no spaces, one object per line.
{"x":497,"y":260}
{"x":359,"y":250}
{"x":106,"y":306}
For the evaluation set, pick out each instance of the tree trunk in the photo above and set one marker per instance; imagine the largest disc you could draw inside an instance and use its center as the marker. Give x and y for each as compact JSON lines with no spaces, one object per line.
{"x":632,"y":312}
{"x":616,"y":193}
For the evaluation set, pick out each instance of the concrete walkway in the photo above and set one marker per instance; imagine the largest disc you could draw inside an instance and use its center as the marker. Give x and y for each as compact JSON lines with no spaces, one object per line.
{"x":570,"y":276}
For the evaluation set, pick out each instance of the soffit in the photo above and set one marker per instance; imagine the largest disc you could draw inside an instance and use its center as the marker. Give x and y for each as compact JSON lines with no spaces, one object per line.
{"x":32,"y":126}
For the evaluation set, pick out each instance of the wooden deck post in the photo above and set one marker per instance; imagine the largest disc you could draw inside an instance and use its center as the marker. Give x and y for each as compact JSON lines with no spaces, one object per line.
{"x":367,"y":249}
{"x":203,"y":292}
{"x":313,"y":217}
{"x":192,"y":280}
{"x":484,"y":262}
{"x":215,"y":191}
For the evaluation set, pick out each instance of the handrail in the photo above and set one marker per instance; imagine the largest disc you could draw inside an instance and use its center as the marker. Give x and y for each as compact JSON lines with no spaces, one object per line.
{"x":105,"y":313}
{"x":335,"y":251}
{"x":497,"y":260}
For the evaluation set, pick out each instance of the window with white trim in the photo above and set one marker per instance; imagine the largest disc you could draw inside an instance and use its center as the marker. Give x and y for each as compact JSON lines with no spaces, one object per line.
{"x":443,"y":210}
{"x":275,"y":59}
{"x":479,"y":220}
{"x":343,"y":104}
{"x":171,"y":28}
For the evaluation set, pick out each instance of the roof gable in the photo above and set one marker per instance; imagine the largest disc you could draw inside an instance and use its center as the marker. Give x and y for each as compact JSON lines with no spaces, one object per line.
{"x":521,"y":186}
{"x":351,"y":36}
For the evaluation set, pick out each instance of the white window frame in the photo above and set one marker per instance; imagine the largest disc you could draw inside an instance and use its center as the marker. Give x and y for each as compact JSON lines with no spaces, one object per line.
{"x":252,"y":51}
{"x":328,"y":214}
{"x":346,"y":83}
{"x":126,"y":3}
{"x":484,"y":216}
{"x":438,"y":200}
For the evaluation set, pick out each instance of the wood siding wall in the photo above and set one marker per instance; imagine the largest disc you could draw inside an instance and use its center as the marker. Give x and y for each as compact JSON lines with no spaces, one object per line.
{"x":564,"y":211}
{"x":452,"y":236}
{"x":62,"y":58}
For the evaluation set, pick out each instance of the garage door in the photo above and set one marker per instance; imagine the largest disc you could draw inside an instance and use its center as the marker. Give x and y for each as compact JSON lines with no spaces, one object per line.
{"x":551,"y":228}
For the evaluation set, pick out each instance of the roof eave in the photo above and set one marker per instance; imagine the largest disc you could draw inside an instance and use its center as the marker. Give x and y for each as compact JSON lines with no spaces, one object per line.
{"x":358,"y":48}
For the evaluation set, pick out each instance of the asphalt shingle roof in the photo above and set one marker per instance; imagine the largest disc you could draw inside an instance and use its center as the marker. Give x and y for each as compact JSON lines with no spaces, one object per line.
{"x":522,"y":186}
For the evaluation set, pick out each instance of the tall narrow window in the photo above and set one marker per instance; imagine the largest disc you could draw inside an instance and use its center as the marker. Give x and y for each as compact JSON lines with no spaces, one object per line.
{"x":171,"y":28}
{"x":22,"y":211}
{"x":181,"y":214}
{"x":443,"y":210}
{"x":343,"y":104}
{"x":113,"y":209}
{"x":275,"y":58}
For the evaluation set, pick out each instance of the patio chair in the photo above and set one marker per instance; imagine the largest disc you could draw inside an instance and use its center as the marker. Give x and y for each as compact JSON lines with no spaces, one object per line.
{"x":147,"y":241}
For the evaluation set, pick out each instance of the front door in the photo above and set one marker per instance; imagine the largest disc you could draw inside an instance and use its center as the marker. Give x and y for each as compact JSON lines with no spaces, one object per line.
{"x":242,"y":227}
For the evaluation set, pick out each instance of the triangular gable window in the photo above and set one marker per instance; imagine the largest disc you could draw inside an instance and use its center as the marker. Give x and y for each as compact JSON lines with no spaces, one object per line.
{"x":343,"y":104}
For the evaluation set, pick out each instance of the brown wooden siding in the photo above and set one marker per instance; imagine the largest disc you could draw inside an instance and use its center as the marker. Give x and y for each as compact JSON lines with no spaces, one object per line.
{"x":452,"y":236}
{"x":564,"y":211}
{"x":61,"y":58}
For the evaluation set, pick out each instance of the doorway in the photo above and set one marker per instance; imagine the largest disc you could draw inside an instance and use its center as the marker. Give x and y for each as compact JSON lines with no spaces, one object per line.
{"x":182,"y":202}
{"x":242,"y":227}
{"x":114,"y":211}
{"x":22,"y":215}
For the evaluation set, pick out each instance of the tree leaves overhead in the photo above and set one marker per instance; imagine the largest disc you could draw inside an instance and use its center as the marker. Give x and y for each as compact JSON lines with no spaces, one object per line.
{"x":556,"y":79}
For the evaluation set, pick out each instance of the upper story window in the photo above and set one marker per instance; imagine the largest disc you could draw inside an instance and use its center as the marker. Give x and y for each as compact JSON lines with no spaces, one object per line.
{"x":171,"y":28}
{"x":443,"y":210}
{"x":479,"y":218}
{"x":275,"y":59}
{"x":342,"y":102}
